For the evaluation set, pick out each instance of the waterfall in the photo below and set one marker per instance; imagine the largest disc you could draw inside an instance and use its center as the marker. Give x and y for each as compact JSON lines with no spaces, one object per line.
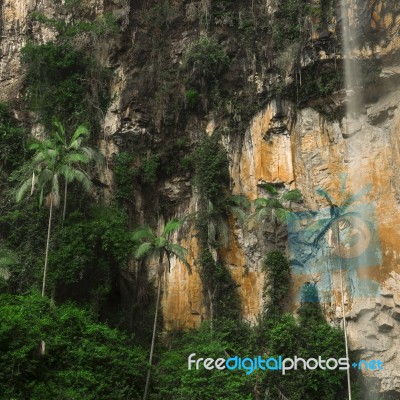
{"x":350,"y":46}
{"x":353,"y":106}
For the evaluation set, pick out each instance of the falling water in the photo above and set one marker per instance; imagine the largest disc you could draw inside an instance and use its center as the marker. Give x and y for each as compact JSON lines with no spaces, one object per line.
{"x":351,"y":66}
{"x":353,"y":105}
{"x":354,"y":142}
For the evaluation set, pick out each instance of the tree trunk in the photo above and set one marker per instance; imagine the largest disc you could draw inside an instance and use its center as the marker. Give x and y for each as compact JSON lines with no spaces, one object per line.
{"x":65,"y":201}
{"x":42,"y":345}
{"x":146,"y":389}
{"x":343,"y":313}
{"x":46,"y":259}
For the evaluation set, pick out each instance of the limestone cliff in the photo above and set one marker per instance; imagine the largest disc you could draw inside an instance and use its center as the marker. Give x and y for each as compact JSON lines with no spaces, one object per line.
{"x":269,"y":139}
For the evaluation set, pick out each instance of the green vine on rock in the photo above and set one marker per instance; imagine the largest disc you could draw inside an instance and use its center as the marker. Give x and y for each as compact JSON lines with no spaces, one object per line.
{"x":211,"y":179}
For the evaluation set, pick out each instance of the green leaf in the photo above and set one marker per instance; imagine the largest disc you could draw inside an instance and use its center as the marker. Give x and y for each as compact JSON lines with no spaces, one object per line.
{"x":26,"y":185}
{"x":41,"y":197}
{"x":80,"y":131}
{"x":143,"y":250}
{"x":293,"y":195}
{"x":269,"y":188}
{"x":171,"y":226}
{"x":59,"y":131}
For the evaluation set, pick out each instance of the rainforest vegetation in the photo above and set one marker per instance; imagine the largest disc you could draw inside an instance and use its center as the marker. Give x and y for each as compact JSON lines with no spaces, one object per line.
{"x":81,"y":273}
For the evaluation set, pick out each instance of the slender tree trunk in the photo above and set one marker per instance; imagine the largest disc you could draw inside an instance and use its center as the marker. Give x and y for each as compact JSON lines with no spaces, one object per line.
{"x":343,"y":313}
{"x":148,"y":377}
{"x":42,"y":345}
{"x":65,"y":201}
{"x":46,"y":259}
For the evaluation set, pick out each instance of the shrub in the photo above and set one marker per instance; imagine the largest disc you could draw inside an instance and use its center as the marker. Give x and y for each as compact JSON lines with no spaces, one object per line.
{"x":83,"y":360}
{"x":205,"y":59}
{"x":175,"y":381}
{"x":276,"y":286}
{"x":192,"y":98}
{"x":54,"y":80}
{"x":12,"y":137}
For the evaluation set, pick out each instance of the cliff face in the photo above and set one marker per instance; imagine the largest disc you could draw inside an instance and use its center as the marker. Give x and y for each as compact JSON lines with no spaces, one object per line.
{"x":281,"y":143}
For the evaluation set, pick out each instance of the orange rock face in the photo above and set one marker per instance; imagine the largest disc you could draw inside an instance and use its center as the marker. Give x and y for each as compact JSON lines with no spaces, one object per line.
{"x":311,"y":153}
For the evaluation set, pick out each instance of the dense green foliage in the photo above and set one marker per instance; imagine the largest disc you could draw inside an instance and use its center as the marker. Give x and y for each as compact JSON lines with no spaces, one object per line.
{"x":83,"y":360}
{"x":89,"y":253}
{"x":211,"y":169}
{"x":125,"y":174}
{"x":276,"y":285}
{"x":54,"y":80}
{"x":176,"y":382}
{"x":12,"y":140}
{"x":293,"y":18}
{"x":205,"y":59}
{"x":62,"y":79}
{"x":309,"y":337}
{"x":16,"y":225}
{"x":211,"y":178}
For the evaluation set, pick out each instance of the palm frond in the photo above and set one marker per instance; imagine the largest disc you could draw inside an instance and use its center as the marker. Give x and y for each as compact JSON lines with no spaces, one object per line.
{"x":83,"y":178}
{"x":26,"y":185}
{"x":282,"y":214}
{"x":92,"y":154}
{"x":41,"y":196}
{"x":240,"y":200}
{"x":44,"y":177}
{"x":40,"y":157}
{"x":293,"y":195}
{"x":171,"y":226}
{"x":67,"y":172}
{"x":269,"y":188}
{"x":180,"y":253}
{"x":82,"y":130}
{"x":263,"y":202}
{"x":160,"y":242}
{"x":143,"y":233}
{"x":240,"y":214}
{"x":76,"y":157}
{"x":143,"y":250}
{"x":59,"y":130}
{"x":258,"y":216}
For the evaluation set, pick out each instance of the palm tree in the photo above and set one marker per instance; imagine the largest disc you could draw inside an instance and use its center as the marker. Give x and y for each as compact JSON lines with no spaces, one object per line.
{"x":339,"y":215}
{"x":51,"y":162}
{"x":273,"y":208}
{"x":73,"y":153}
{"x":157,"y":247}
